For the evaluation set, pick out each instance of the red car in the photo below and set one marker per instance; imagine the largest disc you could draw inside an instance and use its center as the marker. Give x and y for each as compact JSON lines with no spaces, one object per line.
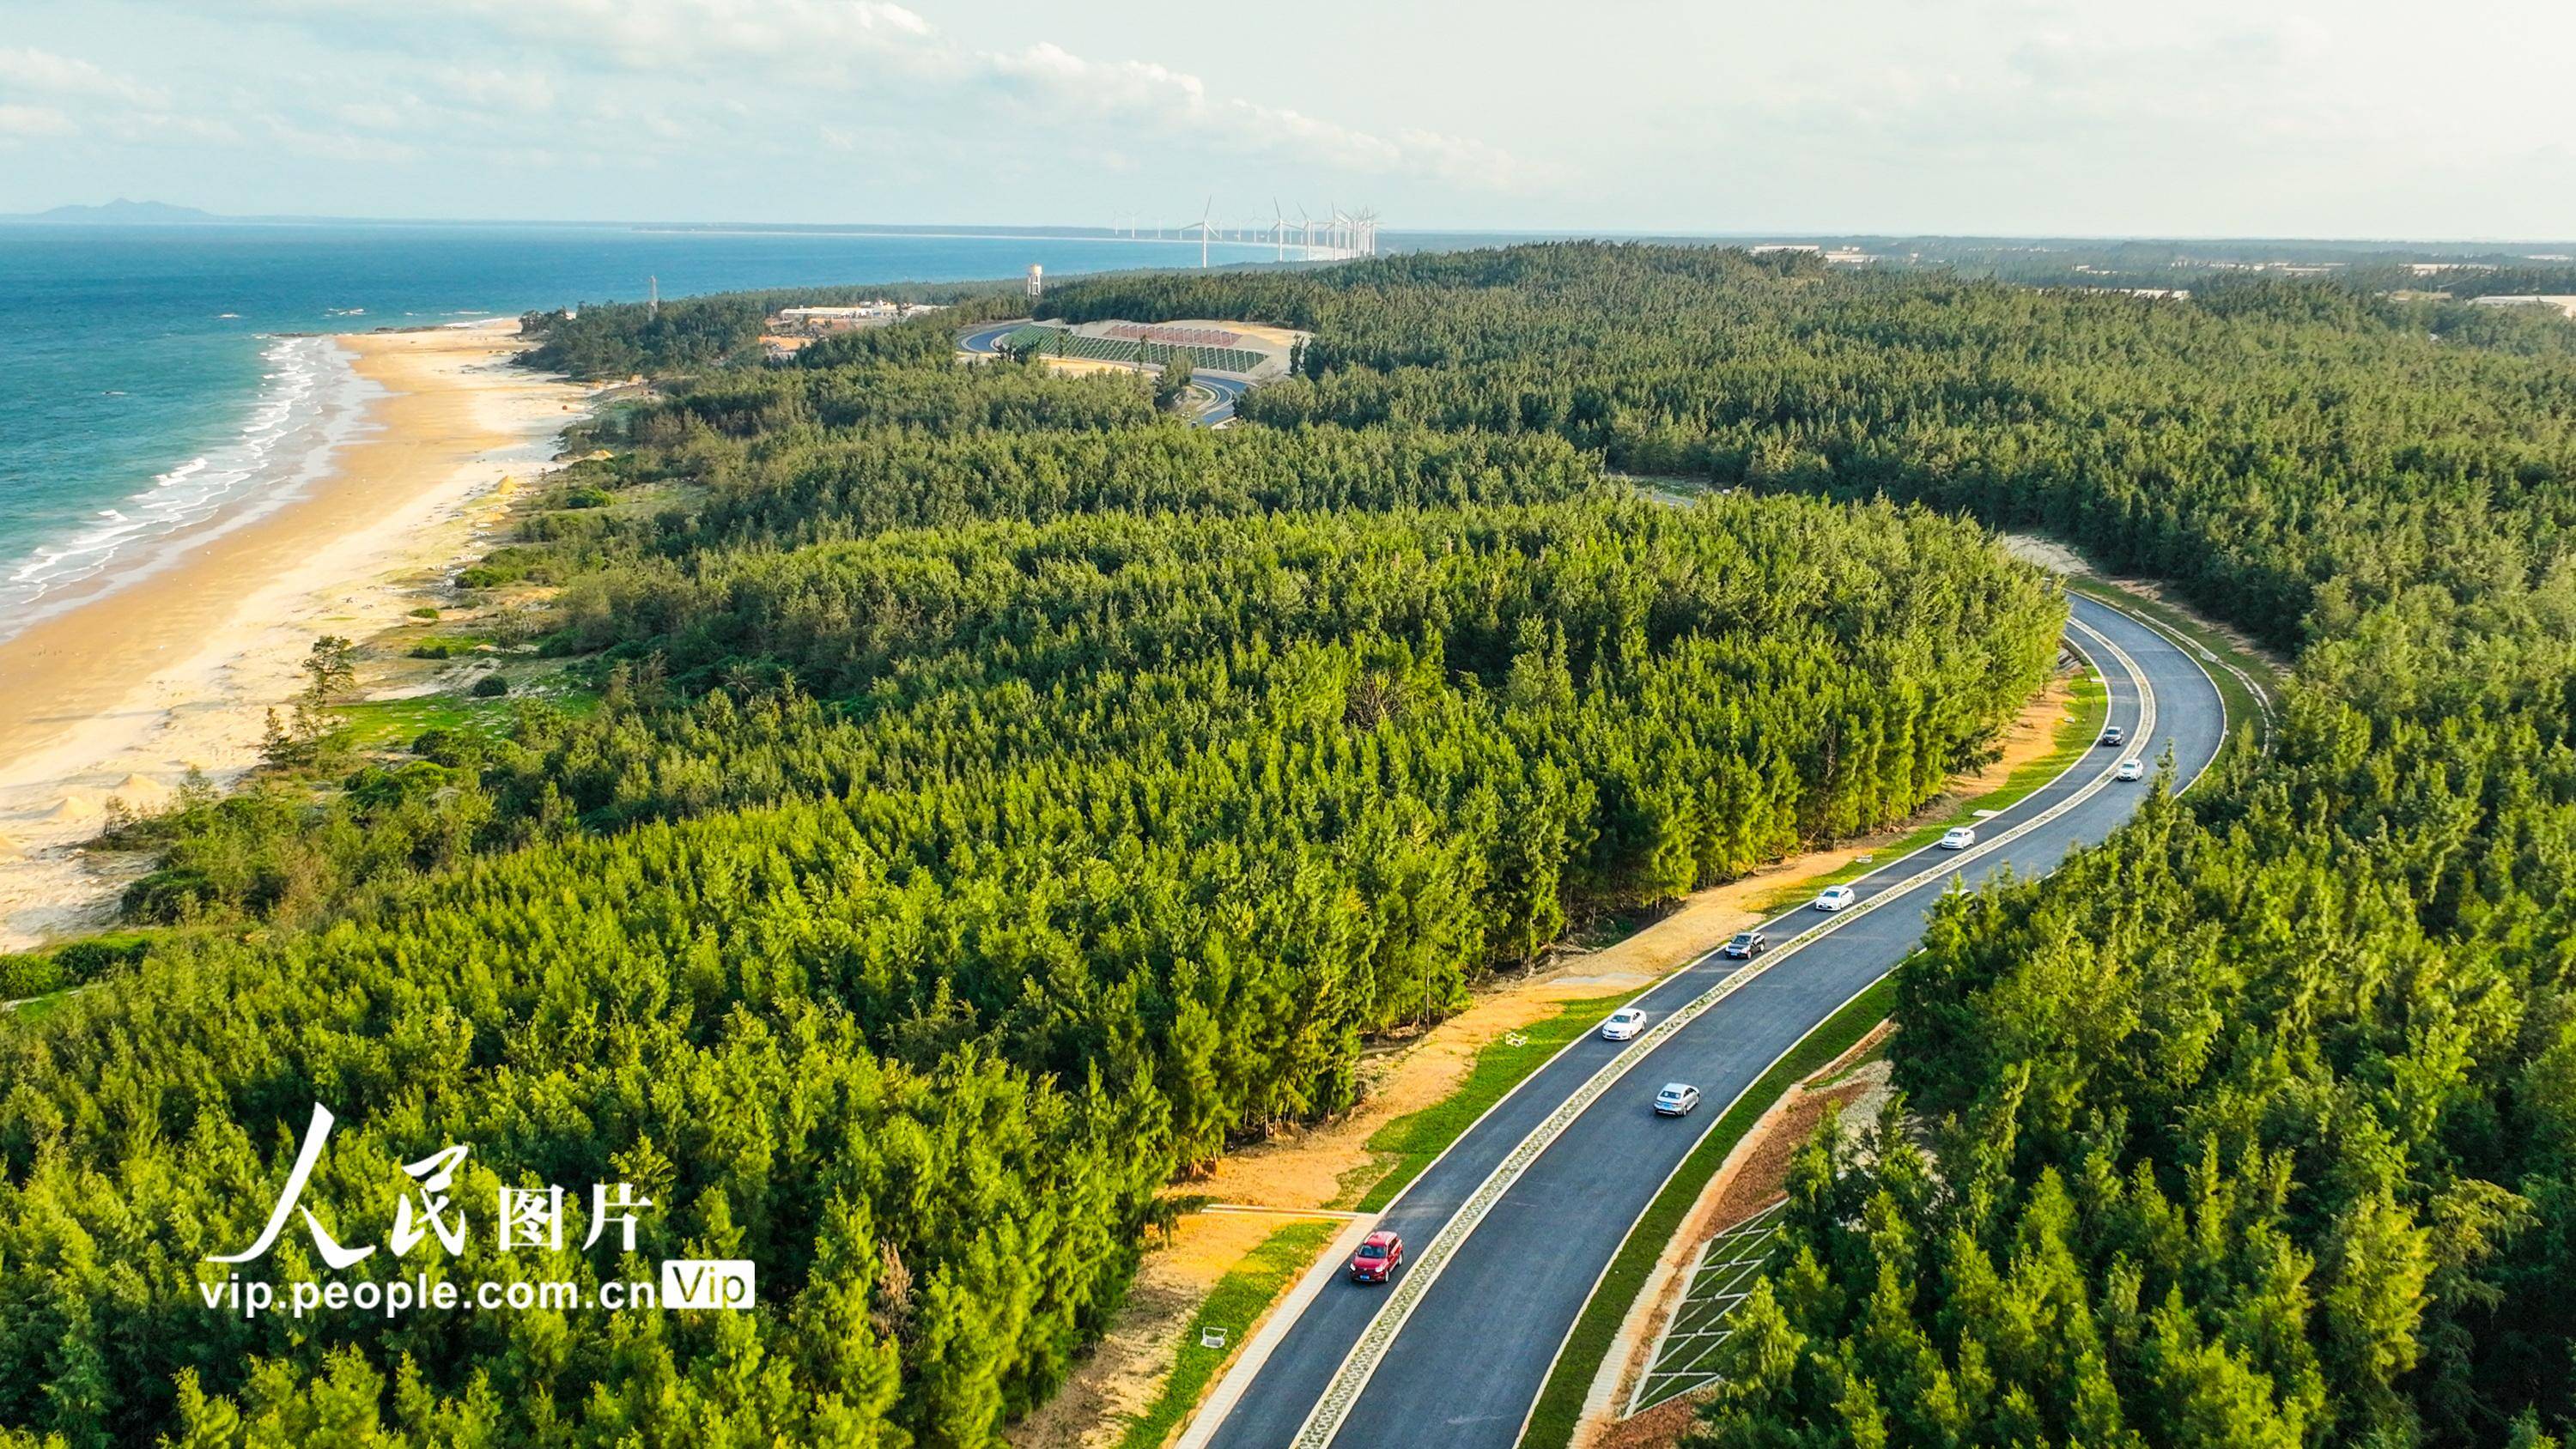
{"x":1378,"y":1256}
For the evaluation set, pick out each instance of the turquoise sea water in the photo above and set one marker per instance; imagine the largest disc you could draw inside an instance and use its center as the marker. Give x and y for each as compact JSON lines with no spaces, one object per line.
{"x":143,"y":385}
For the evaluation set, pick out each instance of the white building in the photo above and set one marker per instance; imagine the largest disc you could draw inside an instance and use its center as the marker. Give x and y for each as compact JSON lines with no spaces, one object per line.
{"x":2565,"y":304}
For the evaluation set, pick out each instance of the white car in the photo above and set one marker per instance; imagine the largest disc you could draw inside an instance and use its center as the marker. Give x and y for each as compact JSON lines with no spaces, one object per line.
{"x":1958,"y":837}
{"x":1834,"y":898}
{"x":1676,"y":1099}
{"x":1624,"y":1023}
{"x":2130,"y":770}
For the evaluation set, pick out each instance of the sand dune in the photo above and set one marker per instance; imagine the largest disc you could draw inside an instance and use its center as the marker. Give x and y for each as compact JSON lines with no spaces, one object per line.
{"x":141,"y":792}
{"x":78,"y":805}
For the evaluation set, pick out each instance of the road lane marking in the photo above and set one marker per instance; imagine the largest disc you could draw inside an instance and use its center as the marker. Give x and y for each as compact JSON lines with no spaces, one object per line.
{"x":1360,"y":1364}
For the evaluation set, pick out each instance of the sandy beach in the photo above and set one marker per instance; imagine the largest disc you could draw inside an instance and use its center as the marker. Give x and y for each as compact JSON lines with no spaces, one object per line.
{"x":118,"y":697}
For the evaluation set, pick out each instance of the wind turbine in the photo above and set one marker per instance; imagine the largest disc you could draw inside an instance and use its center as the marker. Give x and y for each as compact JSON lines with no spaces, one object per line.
{"x":1278,"y":230}
{"x":1306,"y":224}
{"x":1202,"y":227}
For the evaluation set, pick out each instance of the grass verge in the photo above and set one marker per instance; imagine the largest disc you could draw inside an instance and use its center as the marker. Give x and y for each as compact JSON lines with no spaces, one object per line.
{"x":1419,"y":1137}
{"x":1406,"y":1146}
{"x":1560,"y":1404}
{"x":392,"y":723}
{"x":2088,"y":705}
{"x":1239,"y":1298}
{"x":395,"y":723}
{"x":2239,"y":672}
{"x":1416,"y":1138}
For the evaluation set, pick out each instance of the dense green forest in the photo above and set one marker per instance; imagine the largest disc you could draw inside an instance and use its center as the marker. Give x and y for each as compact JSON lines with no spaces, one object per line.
{"x":2280,"y":449}
{"x":2252,"y":1127}
{"x":2257,"y":1125}
{"x":993,"y":798}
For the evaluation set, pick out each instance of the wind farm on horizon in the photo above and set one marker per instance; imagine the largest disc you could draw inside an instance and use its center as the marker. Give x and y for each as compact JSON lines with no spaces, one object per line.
{"x":1336,"y":236}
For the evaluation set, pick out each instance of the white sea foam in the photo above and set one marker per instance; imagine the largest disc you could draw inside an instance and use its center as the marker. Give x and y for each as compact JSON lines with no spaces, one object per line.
{"x":308,"y":402}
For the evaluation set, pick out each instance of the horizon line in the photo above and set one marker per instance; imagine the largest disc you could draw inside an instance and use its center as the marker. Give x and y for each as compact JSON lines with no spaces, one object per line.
{"x":1073,"y":231}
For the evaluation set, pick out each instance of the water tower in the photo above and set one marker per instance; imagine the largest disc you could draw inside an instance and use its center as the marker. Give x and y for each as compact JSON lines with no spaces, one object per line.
{"x":1037,"y":276}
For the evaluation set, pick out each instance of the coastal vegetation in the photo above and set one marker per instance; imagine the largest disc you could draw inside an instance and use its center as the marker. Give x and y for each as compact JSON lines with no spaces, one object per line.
{"x":996,"y":797}
{"x":992,"y":798}
{"x":2251,"y":1126}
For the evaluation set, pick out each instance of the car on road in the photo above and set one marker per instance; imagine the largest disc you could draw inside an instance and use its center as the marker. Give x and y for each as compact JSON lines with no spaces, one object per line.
{"x":1745,"y":945}
{"x":2131,"y":770}
{"x":1624,"y":1023}
{"x":2114,"y":735}
{"x":1958,"y":837}
{"x":1676,"y":1099}
{"x":1834,"y":898}
{"x":1380,"y":1254}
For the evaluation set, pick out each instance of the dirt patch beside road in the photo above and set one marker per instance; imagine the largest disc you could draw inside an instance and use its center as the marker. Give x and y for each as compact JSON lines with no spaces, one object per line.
{"x":1330,"y":1163}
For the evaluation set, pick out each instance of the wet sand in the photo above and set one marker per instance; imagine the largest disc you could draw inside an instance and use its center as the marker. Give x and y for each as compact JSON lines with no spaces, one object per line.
{"x":118,"y":697}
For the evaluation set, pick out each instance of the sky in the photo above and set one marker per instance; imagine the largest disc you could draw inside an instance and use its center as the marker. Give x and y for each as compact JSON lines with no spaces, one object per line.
{"x":1993,"y":117}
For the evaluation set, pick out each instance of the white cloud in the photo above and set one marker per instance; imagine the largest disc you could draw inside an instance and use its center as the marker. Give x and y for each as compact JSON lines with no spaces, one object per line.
{"x":27,"y":122}
{"x":1048,"y":76}
{"x":371,"y":115}
{"x":836,"y":58}
{"x":336,"y":145}
{"x":162,"y":127}
{"x":658,"y":35}
{"x":530,"y":92}
{"x":62,"y":75}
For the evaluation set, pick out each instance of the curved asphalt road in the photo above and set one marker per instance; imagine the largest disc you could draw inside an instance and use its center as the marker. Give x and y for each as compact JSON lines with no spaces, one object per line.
{"x":1226,"y":386}
{"x":1469,"y":1362}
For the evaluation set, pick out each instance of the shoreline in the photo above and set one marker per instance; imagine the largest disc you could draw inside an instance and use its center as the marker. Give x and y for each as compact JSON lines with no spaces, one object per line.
{"x":177,"y":663}
{"x":321,"y":407}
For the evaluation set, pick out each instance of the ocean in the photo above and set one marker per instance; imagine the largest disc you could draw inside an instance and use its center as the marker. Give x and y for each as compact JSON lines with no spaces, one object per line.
{"x":148,"y":384}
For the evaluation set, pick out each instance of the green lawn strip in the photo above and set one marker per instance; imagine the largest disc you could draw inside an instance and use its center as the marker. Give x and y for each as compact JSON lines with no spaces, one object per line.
{"x":1417,"y":1138}
{"x":388,"y":723}
{"x":35,"y":1008}
{"x":2242,"y":707}
{"x":2088,"y":707}
{"x":1239,"y":1298}
{"x":1560,"y":1404}
{"x":395,"y":723}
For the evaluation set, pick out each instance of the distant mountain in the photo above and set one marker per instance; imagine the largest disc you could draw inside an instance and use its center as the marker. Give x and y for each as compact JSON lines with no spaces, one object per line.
{"x":120,"y":212}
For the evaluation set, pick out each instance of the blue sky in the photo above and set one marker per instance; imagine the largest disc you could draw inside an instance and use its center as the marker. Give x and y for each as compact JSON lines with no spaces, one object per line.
{"x":1992,"y":116}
